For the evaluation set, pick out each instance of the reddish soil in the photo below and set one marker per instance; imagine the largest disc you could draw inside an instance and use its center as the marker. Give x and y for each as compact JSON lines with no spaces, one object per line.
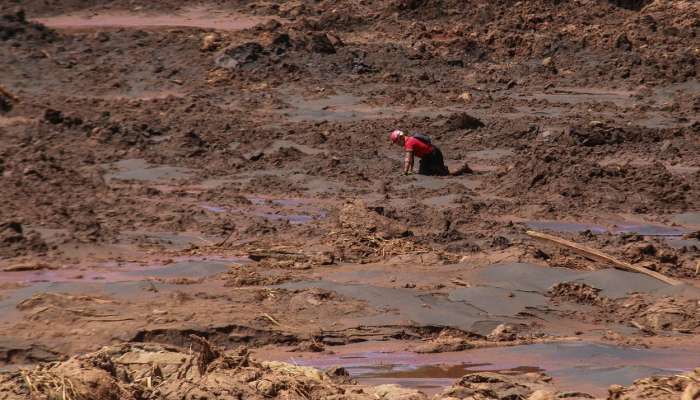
{"x":174,"y":172}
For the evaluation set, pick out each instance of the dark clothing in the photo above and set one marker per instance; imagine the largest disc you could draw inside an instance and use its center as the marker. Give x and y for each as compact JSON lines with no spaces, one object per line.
{"x":433,"y":164}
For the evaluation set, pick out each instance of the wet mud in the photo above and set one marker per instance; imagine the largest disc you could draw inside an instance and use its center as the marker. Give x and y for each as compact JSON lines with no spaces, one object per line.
{"x":210,"y":190}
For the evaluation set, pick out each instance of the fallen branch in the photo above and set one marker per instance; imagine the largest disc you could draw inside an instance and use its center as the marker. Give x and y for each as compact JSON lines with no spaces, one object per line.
{"x":602,"y":257}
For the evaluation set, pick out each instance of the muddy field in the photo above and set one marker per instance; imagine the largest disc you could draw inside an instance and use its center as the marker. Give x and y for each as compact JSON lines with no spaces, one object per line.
{"x":201,"y":200}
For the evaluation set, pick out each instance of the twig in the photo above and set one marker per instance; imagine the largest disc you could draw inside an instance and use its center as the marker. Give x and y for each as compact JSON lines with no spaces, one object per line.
{"x":225,"y":240}
{"x":268,"y":316}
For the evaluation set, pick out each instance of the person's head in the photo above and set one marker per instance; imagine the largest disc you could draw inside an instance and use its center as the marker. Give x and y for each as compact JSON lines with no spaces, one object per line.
{"x":397,"y":137}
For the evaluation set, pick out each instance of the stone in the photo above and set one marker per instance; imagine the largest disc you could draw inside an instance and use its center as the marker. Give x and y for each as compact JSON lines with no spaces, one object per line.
{"x":320,"y":43}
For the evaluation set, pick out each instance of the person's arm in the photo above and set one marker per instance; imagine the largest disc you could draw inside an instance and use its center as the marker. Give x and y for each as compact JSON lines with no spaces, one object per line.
{"x":408,"y":162}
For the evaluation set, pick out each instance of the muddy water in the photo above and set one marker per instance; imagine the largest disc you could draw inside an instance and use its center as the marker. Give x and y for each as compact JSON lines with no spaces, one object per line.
{"x":409,"y":307}
{"x":140,"y":170}
{"x":591,"y":367}
{"x":618,"y":228}
{"x":295,"y":211}
{"x":129,"y":272}
{"x":195,"y":17}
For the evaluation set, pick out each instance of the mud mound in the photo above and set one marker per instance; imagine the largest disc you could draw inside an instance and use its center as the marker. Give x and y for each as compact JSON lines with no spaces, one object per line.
{"x":148,"y":371}
{"x":553,"y":174}
{"x":575,"y":292}
{"x":663,"y":314}
{"x":600,"y":134}
{"x":660,"y":257}
{"x":645,"y":312}
{"x":15,"y":241}
{"x":15,"y":27}
{"x":45,"y":186}
{"x":357,"y":217}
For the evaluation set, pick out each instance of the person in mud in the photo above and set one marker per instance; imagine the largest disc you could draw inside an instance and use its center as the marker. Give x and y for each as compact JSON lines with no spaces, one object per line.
{"x":421,"y":146}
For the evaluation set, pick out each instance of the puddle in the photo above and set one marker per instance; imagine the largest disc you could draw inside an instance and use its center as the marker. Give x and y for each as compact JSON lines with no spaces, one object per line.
{"x":140,"y":170}
{"x":688,"y":218}
{"x":195,"y":17}
{"x":565,"y":227}
{"x":679,"y":243}
{"x":592,"y":367}
{"x":498,"y":293}
{"x":295,"y":211}
{"x":614,"y":283}
{"x":620,"y":228}
{"x":128,"y":272}
{"x":402,"y":306}
{"x":174,"y":241}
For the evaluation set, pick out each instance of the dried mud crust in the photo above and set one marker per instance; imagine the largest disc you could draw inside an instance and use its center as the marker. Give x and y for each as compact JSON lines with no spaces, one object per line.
{"x":151,"y":371}
{"x":650,"y":314}
{"x":652,"y":253}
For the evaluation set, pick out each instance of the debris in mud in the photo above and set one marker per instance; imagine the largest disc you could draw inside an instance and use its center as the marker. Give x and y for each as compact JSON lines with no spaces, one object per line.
{"x":682,"y":386}
{"x":648,"y":313}
{"x":136,"y":371}
{"x":210,"y":42}
{"x":238,"y":56}
{"x":448,"y":340}
{"x":576,"y":292}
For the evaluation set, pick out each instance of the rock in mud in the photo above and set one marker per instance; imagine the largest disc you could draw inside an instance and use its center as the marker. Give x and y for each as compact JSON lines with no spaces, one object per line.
{"x":5,"y":104}
{"x":595,"y":135}
{"x":320,"y":43}
{"x":237,"y":56}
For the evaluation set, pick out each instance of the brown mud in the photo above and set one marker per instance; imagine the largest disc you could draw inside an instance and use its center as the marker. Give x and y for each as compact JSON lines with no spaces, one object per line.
{"x":193,"y":193}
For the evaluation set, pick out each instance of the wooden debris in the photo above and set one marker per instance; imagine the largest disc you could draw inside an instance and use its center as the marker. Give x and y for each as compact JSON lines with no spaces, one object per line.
{"x":269,"y":317}
{"x":602,"y":257}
